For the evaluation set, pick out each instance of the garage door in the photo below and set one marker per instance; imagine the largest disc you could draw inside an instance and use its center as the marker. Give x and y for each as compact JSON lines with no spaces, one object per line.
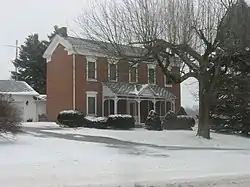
{"x":20,"y":107}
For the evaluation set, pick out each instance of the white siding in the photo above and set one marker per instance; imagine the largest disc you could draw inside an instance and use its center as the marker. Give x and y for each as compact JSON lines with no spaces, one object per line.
{"x":41,"y":107}
{"x":29,"y":109}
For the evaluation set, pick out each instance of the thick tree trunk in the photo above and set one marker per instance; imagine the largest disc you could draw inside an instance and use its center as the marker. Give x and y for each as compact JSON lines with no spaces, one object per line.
{"x":204,"y":106}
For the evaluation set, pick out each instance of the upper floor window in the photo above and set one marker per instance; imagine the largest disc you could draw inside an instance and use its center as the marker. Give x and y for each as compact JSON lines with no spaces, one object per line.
{"x":113,"y":75}
{"x":133,"y":73}
{"x":91,"y":69}
{"x":151,"y":74}
{"x":167,"y":81}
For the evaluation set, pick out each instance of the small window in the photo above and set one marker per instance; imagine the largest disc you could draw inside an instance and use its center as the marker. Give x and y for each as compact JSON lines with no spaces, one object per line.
{"x":133,"y":74}
{"x":112,"y":72}
{"x":91,"y":105}
{"x":91,"y":70}
{"x":151,"y":76}
{"x":168,"y":82}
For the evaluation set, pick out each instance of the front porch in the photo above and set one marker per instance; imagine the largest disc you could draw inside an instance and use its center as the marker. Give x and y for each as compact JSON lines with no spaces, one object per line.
{"x":136,"y":100}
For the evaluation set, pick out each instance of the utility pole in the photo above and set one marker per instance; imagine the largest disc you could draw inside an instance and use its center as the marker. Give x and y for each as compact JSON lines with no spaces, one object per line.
{"x":16,"y":57}
{"x":16,"y":78}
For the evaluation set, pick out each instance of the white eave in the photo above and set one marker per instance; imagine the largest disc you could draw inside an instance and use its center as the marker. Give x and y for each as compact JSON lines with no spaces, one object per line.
{"x":53,"y":45}
{"x":31,"y":93}
{"x":69,"y":48}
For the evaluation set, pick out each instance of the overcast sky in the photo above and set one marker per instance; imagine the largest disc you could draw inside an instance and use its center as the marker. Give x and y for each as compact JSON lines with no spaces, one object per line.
{"x":20,"y":18}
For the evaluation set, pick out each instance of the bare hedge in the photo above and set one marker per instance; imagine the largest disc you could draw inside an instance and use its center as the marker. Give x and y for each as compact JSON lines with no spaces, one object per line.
{"x":10,"y":116}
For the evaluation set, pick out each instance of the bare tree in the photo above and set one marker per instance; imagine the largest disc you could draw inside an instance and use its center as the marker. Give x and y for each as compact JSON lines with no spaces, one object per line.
{"x":162,"y":31}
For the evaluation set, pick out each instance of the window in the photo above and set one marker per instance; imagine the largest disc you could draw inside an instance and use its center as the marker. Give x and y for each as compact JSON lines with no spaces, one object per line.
{"x":91,"y":103}
{"x":133,"y":76}
{"x":168,"y":82}
{"x":91,"y":68}
{"x":113,"y":72}
{"x":151,"y":74}
{"x":112,"y":69}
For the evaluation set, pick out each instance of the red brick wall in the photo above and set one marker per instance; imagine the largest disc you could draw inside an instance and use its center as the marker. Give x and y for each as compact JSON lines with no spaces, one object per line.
{"x":83,"y":86}
{"x":59,"y":83}
{"x":123,"y":71}
{"x":60,"y":87}
{"x":142,"y":73}
{"x":80,"y":83}
{"x":176,"y":88}
{"x":159,"y":77}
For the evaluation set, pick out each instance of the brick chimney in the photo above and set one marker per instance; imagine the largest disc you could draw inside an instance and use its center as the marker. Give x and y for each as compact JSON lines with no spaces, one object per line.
{"x":62,"y":31}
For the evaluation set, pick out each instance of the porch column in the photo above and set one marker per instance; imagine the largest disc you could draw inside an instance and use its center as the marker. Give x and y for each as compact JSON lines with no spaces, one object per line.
{"x":103,"y":106}
{"x":127,"y":105}
{"x":115,"y":105}
{"x":139,"y":110}
{"x":173,"y":105}
{"x":154,"y":101}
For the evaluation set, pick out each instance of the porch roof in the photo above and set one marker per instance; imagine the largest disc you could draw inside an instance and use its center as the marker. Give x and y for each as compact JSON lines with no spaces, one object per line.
{"x":138,"y":90}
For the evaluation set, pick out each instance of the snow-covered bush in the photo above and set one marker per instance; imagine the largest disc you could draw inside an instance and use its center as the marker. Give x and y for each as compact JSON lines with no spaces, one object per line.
{"x":10,"y":116}
{"x":71,"y":118}
{"x":170,"y":116}
{"x":96,"y":122}
{"x":121,"y":121}
{"x":181,"y":122}
{"x":153,"y":121}
{"x":182,"y":112}
{"x":187,"y":120}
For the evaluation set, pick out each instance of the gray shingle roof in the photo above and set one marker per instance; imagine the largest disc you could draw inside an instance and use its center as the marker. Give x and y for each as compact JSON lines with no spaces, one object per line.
{"x":103,"y":47}
{"x":133,"y":89}
{"x":12,"y":86}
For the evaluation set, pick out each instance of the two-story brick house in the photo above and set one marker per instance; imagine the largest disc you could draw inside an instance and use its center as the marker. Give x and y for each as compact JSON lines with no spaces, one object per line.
{"x":80,"y":77}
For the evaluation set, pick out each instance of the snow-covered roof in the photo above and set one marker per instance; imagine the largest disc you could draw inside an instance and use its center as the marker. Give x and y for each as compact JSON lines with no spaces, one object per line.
{"x":42,"y":97}
{"x":16,"y":88}
{"x":88,"y":47}
{"x":140,"y":90}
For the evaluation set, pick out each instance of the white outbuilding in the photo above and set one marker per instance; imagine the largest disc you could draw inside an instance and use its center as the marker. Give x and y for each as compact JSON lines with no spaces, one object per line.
{"x":30,"y":103}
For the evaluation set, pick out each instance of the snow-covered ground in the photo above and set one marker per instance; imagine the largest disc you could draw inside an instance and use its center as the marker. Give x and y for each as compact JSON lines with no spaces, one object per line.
{"x":50,"y":156}
{"x":161,"y":138}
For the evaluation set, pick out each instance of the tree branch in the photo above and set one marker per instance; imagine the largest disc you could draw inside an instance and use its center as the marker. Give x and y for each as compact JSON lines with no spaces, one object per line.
{"x":174,"y":77}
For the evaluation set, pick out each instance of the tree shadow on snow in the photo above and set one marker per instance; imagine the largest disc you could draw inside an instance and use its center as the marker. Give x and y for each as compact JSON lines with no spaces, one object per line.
{"x":116,"y":143}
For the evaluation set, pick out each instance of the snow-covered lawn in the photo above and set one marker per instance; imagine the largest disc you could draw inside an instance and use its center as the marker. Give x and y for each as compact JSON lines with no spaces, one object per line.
{"x":63,"y":157}
{"x":161,"y":138}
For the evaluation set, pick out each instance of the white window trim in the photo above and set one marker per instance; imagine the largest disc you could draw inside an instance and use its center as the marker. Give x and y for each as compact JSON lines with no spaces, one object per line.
{"x":134,"y":66}
{"x":115,"y":62}
{"x":165,"y":83}
{"x":91,"y":59}
{"x":152,"y":66}
{"x":92,"y":94}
